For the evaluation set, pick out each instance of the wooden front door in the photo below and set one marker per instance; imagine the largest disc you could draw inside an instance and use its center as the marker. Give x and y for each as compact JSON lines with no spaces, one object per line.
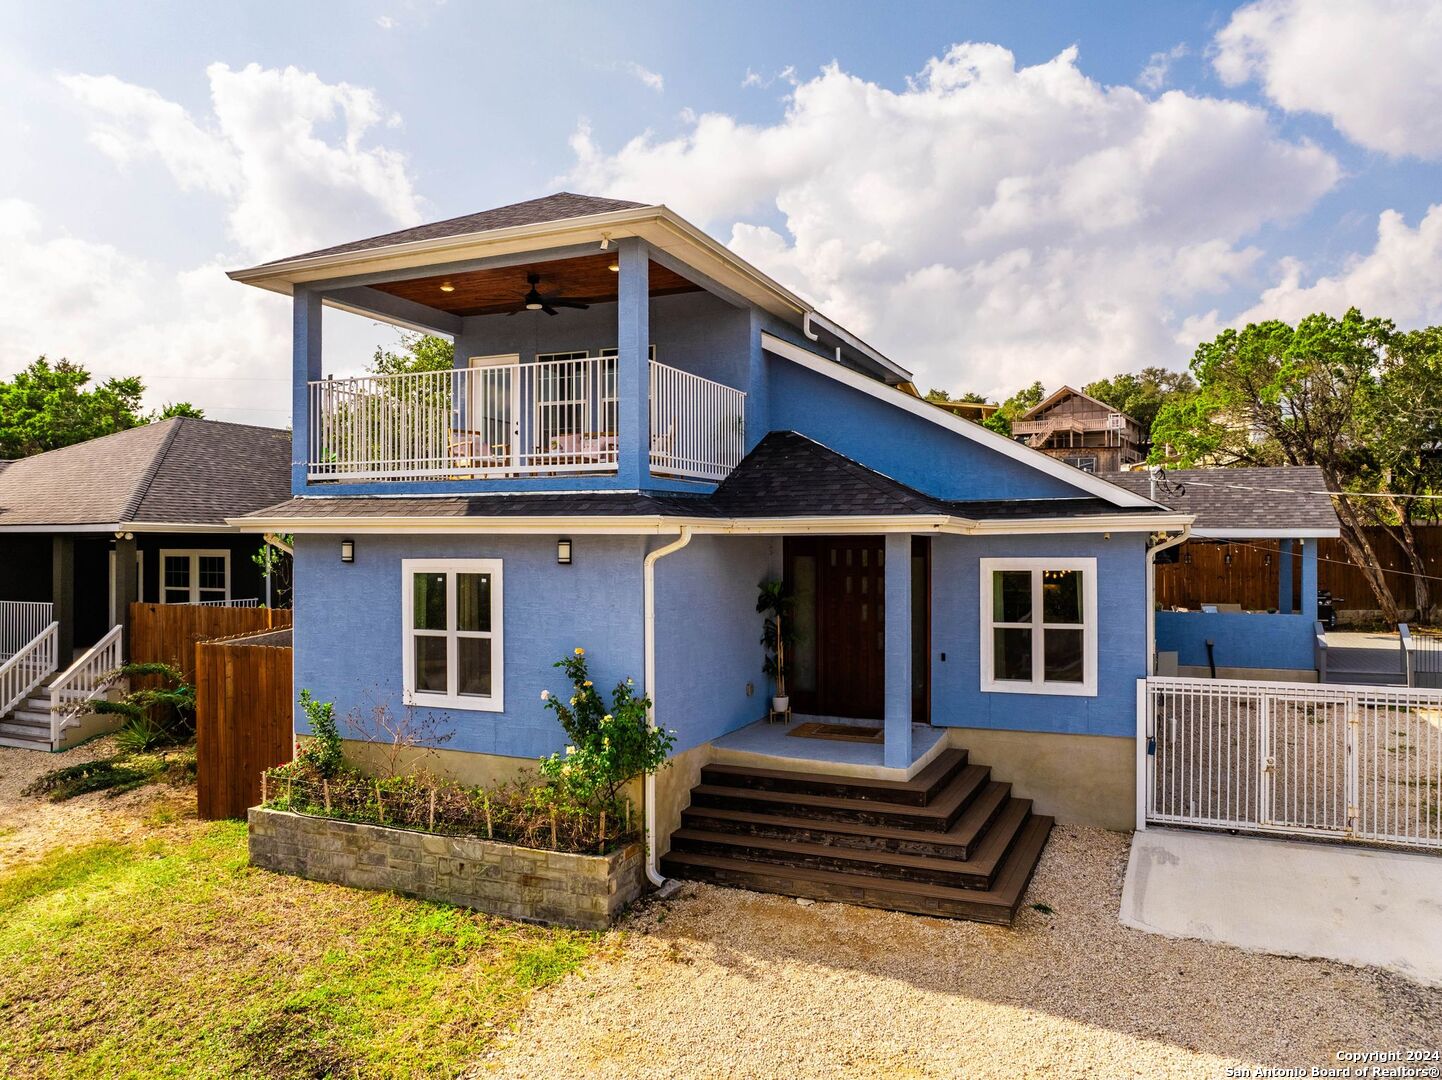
{"x":839,"y":658}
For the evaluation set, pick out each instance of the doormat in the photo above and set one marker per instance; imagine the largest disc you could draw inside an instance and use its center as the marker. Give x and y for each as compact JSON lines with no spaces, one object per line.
{"x":813,"y":729}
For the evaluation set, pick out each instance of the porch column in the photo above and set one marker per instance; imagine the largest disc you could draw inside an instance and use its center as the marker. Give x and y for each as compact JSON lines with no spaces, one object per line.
{"x":896,"y":752}
{"x":1284,"y":576}
{"x":633,"y":375}
{"x":305,"y":368}
{"x":1308,"y":599}
{"x":126,"y":589}
{"x":62,"y":594}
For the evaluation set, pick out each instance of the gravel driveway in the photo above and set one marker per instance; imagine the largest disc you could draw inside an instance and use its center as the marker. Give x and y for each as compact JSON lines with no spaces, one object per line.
{"x":727,"y":983}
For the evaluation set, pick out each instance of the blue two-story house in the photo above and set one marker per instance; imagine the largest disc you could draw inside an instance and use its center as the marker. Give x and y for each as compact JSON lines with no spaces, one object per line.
{"x":641,"y":427}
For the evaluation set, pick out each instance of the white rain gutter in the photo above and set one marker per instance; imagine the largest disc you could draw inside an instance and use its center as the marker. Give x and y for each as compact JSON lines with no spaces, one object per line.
{"x":649,"y":575}
{"x":1181,"y":538}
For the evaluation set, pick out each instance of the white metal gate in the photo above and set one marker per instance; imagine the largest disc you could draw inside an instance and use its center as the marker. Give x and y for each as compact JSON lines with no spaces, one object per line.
{"x":1353,"y":762}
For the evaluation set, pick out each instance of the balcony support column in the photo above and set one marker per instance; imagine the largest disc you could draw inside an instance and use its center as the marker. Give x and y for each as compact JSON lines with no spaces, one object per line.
{"x":896,"y":736}
{"x":305,"y":368}
{"x":633,"y":346}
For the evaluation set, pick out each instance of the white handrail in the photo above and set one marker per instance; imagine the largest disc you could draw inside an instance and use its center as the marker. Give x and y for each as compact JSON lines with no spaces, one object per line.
{"x":28,"y":668}
{"x":698,"y":426}
{"x":83,"y":681}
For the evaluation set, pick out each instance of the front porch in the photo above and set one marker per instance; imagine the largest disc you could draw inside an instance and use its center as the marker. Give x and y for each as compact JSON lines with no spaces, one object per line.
{"x":766,"y":744}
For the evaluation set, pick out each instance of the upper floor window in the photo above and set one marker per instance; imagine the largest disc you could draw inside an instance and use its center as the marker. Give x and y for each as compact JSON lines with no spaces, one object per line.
{"x":1038,"y":626}
{"x":451,"y":633}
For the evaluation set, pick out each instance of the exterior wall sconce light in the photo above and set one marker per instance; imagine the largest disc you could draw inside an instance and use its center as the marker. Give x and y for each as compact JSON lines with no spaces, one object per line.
{"x":1227,"y":558}
{"x":347,"y":551}
{"x":124,"y":536}
{"x":563,"y":552}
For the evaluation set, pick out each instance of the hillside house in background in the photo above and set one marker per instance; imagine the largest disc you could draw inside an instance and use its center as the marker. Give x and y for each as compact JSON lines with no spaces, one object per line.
{"x":1082,"y":431}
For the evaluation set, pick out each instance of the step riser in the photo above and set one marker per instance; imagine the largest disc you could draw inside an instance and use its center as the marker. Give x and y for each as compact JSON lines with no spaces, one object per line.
{"x":25,"y":744}
{"x":779,"y":883}
{"x":697,"y":818}
{"x":737,"y":799}
{"x":959,"y":878}
{"x":838,"y":787}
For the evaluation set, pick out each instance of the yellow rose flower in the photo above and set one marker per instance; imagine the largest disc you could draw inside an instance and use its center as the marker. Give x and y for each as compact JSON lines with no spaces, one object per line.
{"x":587,"y":683}
{"x":580,"y":652}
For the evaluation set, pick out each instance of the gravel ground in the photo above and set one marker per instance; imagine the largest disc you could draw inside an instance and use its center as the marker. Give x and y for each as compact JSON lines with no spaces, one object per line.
{"x":29,"y":827}
{"x":727,"y":983}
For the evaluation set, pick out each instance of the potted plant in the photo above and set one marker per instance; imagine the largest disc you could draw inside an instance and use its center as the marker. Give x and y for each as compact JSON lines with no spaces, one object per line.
{"x":774,"y":603}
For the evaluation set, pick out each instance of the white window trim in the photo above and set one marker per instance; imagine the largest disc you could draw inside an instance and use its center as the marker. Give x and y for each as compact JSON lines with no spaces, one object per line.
{"x":1037,"y":685}
{"x":194,"y":555}
{"x":452,"y":567}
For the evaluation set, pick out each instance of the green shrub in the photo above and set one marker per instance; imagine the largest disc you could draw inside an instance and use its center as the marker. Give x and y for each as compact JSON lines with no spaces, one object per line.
{"x":609,"y":747}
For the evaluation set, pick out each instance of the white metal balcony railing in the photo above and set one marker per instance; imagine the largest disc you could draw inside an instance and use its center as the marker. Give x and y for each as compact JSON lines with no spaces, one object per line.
{"x":505,"y":420}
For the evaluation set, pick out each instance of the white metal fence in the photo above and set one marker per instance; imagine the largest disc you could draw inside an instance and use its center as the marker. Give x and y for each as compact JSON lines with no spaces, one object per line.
{"x":21,"y":621}
{"x":501,"y":420}
{"x":1353,"y":762}
{"x":698,"y":427}
{"x":252,"y":602}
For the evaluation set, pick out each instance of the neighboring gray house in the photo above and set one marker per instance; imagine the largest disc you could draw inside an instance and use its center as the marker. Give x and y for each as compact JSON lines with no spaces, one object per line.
{"x":138,"y":515}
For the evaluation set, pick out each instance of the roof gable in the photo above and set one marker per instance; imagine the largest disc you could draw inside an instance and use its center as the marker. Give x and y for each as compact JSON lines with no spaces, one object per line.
{"x":178,"y":471}
{"x":556,"y":207}
{"x":1070,"y":391}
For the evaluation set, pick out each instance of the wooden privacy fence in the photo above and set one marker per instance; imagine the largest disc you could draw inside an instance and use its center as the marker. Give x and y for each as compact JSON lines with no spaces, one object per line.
{"x":242,"y":718}
{"x":1247,"y":572}
{"x":168,"y":633}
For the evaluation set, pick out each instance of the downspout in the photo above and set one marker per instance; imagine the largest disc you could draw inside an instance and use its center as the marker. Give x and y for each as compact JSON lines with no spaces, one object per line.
{"x":1181,"y":538}
{"x":649,"y":577}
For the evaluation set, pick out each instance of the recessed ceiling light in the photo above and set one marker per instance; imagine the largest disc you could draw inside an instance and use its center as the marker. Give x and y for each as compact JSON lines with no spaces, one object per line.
{"x":615,"y":267}
{"x":446,"y":286}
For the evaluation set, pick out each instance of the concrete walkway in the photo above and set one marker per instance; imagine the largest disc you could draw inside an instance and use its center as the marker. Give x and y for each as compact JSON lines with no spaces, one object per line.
{"x":1359,"y":906}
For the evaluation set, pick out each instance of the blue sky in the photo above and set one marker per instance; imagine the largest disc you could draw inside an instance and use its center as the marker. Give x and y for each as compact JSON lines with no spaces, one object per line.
{"x":991,"y":193}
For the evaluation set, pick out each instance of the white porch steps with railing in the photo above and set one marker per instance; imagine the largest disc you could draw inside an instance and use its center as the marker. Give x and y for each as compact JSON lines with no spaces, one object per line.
{"x":38,"y":703}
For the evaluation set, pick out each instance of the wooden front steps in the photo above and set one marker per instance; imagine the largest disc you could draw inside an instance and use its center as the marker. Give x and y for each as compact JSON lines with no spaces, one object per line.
{"x":949,"y":842}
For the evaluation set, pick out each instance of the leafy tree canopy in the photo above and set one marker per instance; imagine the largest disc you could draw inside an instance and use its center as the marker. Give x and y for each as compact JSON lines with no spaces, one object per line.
{"x":1142,"y":394}
{"x":417,"y":352}
{"x":48,"y":405}
{"x":1015,"y":406}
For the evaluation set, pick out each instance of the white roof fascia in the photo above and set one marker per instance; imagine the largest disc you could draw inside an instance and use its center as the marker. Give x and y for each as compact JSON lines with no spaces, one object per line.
{"x":1035,"y":459}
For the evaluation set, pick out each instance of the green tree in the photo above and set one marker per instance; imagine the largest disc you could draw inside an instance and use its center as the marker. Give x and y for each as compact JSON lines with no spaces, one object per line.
{"x":1142,"y":394}
{"x":1350,"y":396}
{"x":174,"y":409}
{"x":49,"y":405}
{"x":1014,"y":407}
{"x":417,"y":352}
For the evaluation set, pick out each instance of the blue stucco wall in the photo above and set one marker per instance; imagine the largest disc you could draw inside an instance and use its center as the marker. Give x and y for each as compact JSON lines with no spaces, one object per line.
{"x":348,"y":626}
{"x":708,"y":635}
{"x":956,"y":696}
{"x":1243,"y":639}
{"x":904,"y":447}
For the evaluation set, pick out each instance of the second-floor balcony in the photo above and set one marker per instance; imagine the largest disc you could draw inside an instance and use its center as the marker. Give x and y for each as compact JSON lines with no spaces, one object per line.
{"x":502,"y":420}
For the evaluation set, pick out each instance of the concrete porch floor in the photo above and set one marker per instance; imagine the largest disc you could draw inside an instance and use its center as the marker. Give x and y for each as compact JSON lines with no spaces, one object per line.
{"x":770,"y":746}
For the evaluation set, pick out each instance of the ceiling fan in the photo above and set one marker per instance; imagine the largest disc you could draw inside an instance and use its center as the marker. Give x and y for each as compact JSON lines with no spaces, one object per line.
{"x":535,"y":301}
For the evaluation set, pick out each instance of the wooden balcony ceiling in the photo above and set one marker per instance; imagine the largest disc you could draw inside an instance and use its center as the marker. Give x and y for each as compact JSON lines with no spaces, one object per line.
{"x":587,"y":278}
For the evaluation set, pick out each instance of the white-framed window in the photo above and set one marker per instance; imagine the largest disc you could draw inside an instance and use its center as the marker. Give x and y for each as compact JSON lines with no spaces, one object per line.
{"x":451,"y":624}
{"x":1085,"y":464}
{"x":1039,"y":626}
{"x":193,"y":577}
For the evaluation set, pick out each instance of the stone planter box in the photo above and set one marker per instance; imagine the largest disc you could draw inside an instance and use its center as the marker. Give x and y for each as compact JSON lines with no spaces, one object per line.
{"x":553,"y":887}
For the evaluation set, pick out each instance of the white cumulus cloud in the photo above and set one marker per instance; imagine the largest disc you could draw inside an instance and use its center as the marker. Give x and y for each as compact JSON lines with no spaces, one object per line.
{"x":291,"y":164}
{"x":1154,"y":76}
{"x":987,"y":224}
{"x":1370,"y":66}
{"x":270,"y":148}
{"x":1401,"y":278}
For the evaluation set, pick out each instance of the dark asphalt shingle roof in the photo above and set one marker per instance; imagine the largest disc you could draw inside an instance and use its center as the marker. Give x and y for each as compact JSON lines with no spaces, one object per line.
{"x":181,"y":471}
{"x":1281,"y":498}
{"x":785,"y":475}
{"x":557,"y":207}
